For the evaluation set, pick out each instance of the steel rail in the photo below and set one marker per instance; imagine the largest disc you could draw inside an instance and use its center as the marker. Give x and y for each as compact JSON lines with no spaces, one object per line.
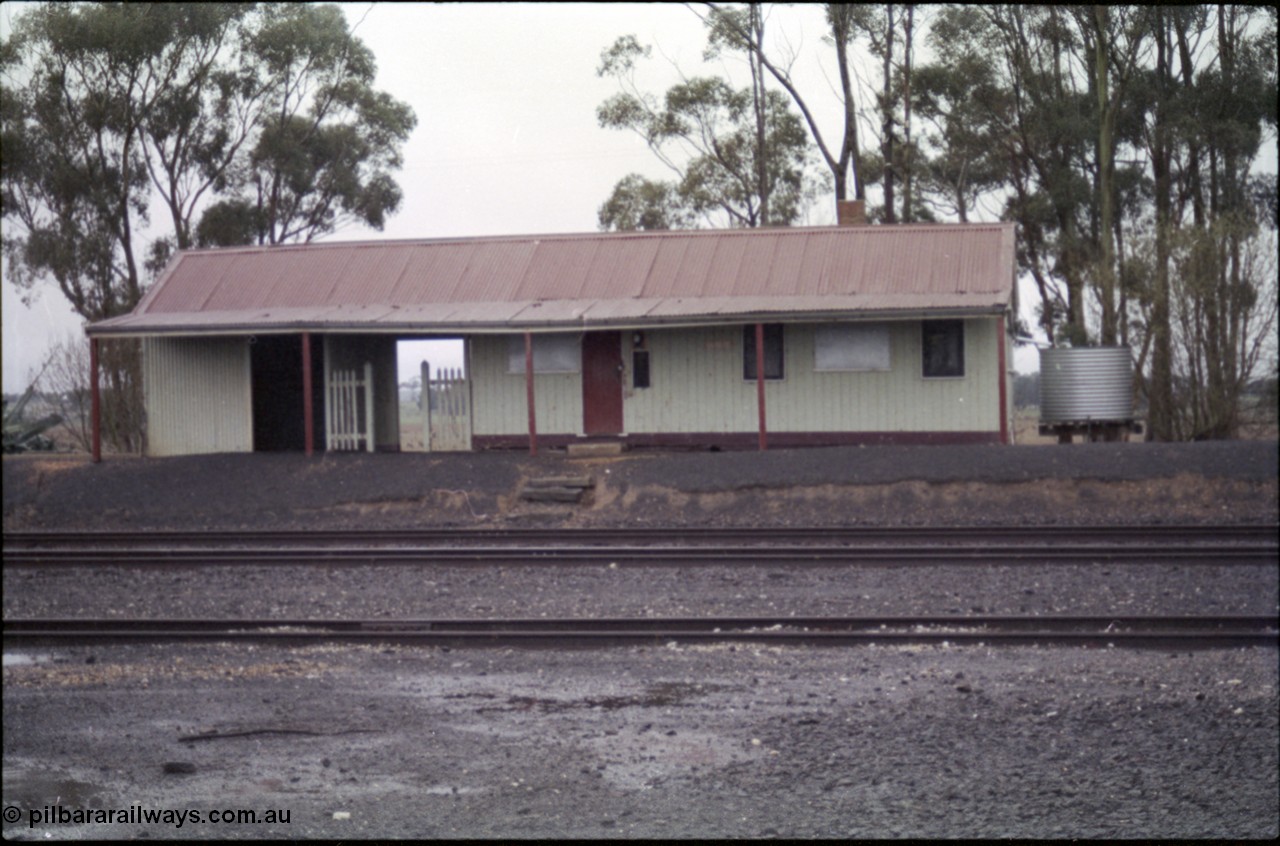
{"x":1102,"y":630}
{"x":1235,"y":533}
{"x":742,"y":555}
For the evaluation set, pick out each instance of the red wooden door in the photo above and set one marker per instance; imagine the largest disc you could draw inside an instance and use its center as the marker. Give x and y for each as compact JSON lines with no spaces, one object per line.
{"x":602,"y":383}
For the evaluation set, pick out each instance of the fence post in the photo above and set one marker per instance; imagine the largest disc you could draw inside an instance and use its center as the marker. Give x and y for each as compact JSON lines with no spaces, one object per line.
{"x":529,"y":396}
{"x":308,"y":419}
{"x":763,"y":439}
{"x":426,"y":406}
{"x":95,"y":400}
{"x":368,"y":403}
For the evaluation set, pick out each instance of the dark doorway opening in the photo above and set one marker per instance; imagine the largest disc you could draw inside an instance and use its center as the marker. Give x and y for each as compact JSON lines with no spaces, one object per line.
{"x":275,"y":362}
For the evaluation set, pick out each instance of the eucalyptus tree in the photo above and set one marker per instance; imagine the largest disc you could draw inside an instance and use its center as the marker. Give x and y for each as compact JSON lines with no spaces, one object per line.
{"x":326,"y":142}
{"x":268,"y":109}
{"x":740,"y":153}
{"x":641,"y":204}
{"x":955,"y":98}
{"x":887,"y":32}
{"x":249,"y":123}
{"x":730,"y":27}
{"x":1222,"y":271}
{"x":1116,"y":38}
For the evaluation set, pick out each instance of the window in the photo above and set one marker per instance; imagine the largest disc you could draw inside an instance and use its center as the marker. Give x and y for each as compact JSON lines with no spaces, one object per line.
{"x":551,"y":354}
{"x":851,"y":346}
{"x":639,"y":368}
{"x":942,"y":348}
{"x":772,"y":351}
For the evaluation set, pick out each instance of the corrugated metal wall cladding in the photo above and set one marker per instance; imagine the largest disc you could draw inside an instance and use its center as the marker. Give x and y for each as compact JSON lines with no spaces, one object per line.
{"x":197,"y":396}
{"x":499,"y":405}
{"x":697,"y":386}
{"x":1079,"y":384}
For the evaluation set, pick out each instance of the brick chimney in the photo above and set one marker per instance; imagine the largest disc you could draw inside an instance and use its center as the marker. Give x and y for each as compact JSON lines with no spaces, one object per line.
{"x":851,"y":212}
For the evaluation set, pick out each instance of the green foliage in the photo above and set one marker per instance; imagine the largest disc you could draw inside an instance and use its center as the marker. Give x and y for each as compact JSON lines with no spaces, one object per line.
{"x":327,"y":141}
{"x":708,"y":134}
{"x":250,"y":123}
{"x":644,"y":204}
{"x":21,"y":435}
{"x":954,"y":100}
{"x":740,"y":29}
{"x":262,"y":117}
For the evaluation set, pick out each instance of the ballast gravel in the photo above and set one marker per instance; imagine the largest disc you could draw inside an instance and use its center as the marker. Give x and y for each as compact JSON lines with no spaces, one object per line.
{"x":669,"y":741}
{"x":673,"y":741}
{"x":427,"y":591}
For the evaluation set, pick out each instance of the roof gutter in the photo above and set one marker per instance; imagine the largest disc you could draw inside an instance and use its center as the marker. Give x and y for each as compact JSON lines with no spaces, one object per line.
{"x":504,"y":328}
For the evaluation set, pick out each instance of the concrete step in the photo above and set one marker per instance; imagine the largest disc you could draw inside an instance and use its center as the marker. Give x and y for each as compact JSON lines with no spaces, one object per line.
{"x":595,"y":449}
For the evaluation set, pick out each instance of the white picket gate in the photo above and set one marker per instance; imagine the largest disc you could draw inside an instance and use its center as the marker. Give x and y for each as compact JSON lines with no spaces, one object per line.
{"x":446,"y":410}
{"x":348,"y":413}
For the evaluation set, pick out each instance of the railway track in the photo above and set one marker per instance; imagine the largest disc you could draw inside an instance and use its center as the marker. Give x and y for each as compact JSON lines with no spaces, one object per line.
{"x":641,"y":556}
{"x":650,"y":547}
{"x":1109,"y":631}
{"x":916,"y":535}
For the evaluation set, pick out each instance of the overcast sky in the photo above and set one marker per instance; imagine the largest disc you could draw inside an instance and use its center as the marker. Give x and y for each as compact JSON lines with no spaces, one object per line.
{"x":507,"y":140}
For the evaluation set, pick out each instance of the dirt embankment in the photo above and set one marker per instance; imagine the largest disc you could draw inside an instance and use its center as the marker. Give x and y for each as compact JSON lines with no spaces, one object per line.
{"x":1083,"y":483}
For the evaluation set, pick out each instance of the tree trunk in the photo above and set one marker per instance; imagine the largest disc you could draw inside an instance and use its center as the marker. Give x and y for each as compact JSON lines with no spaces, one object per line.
{"x":759,"y":102}
{"x":1106,"y":178}
{"x":907,"y":150}
{"x":886,"y":119}
{"x":1160,"y":388}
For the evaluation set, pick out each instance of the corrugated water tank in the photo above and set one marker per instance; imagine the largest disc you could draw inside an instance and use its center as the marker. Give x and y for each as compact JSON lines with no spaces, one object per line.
{"x":1086,"y":383}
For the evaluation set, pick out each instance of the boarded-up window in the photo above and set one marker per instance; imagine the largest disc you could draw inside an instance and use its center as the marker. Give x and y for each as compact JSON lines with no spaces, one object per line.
{"x":772,"y":352}
{"x":851,"y":346}
{"x":942,"y":348}
{"x":551,"y":354}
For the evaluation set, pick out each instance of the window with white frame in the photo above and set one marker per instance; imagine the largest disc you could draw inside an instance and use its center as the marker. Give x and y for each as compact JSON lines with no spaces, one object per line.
{"x":551,"y":353}
{"x":856,"y":347}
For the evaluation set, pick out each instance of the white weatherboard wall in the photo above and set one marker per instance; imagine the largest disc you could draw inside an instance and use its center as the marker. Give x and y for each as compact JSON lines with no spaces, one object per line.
{"x":697,"y":386}
{"x":499,"y":404}
{"x":197,"y":395}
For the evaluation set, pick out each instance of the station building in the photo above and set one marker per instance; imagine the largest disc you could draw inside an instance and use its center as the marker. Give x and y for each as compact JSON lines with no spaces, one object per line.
{"x":744,"y":338}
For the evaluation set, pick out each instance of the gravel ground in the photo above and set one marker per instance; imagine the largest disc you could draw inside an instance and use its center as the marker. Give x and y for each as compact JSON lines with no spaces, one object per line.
{"x":557,"y":591}
{"x":674,"y":742}
{"x":682,"y":741}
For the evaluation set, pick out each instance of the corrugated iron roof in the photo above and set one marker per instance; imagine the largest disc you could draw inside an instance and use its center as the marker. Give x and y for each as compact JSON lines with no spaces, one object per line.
{"x":557,"y":281}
